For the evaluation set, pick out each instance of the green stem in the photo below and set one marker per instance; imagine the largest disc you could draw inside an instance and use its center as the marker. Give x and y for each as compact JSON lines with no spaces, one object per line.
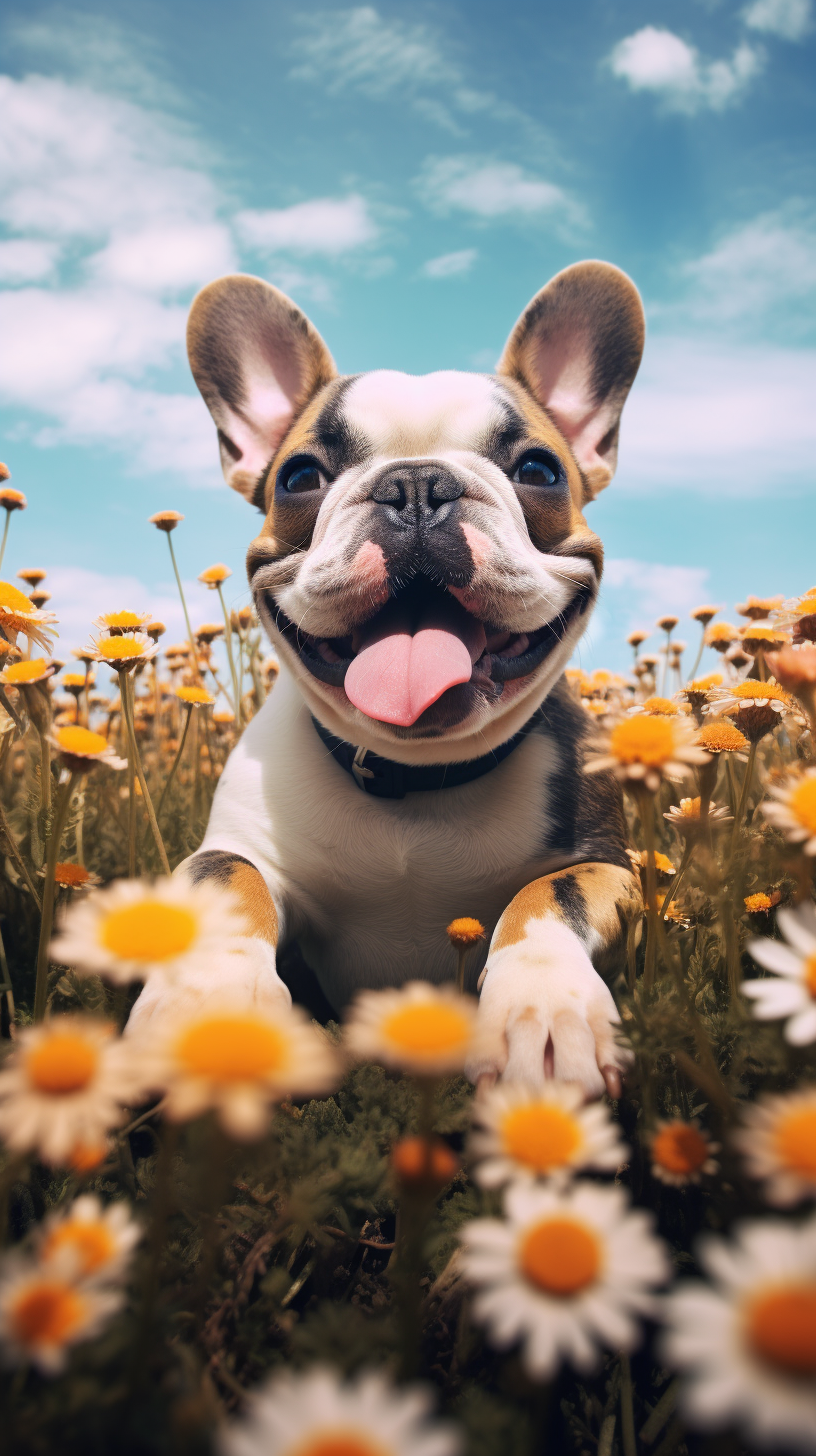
{"x":5,"y":537}
{"x":126,"y":682}
{"x":165,"y":791}
{"x":49,"y":892}
{"x":698,"y":659}
{"x":460,"y":968}
{"x":677,"y":881}
{"x":743,"y":798}
{"x":45,"y":774}
{"x":230,"y":657}
{"x":18,"y":858}
{"x":646,"y":804}
{"x":190,"y":637}
{"x":131,"y":819}
{"x":627,"y":1409}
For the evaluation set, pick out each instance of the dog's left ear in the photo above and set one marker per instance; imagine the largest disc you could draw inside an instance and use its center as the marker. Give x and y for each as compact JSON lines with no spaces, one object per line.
{"x":577,"y":348}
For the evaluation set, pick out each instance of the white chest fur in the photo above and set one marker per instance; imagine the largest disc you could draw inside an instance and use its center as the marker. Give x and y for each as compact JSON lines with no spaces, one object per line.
{"x":368,"y":885}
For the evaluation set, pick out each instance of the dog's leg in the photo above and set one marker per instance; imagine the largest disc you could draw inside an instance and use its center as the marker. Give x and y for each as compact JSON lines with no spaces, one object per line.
{"x":540,"y":989}
{"x":249,"y":972}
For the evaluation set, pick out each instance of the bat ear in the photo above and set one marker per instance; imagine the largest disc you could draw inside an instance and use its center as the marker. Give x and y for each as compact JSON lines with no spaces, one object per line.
{"x":257,"y":361}
{"x":577,"y":348}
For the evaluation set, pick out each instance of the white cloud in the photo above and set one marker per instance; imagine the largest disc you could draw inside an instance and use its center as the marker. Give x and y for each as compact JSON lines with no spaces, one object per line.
{"x":324,"y":225}
{"x":78,"y":596}
{"x":706,"y":415}
{"x":450,"y":265}
{"x":661,"y":62}
{"x":94,"y":49}
{"x":790,"y":19}
{"x":488,"y":189}
{"x":27,"y":260}
{"x":762,"y":272}
{"x":652,"y":588}
{"x":169,"y":258}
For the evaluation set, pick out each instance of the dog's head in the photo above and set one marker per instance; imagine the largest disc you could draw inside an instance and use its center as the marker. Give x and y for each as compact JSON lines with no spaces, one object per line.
{"x":424,"y":567}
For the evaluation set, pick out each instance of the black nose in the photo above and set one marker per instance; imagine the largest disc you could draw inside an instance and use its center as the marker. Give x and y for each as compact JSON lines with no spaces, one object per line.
{"x":417,"y":493}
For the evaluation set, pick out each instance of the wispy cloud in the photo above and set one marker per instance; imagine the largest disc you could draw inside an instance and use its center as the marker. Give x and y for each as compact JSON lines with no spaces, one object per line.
{"x":93,"y":49}
{"x":450,"y":265}
{"x":79,"y":595}
{"x":789,"y":19}
{"x":324,"y":225}
{"x":27,"y":260}
{"x":490,"y":189}
{"x":759,"y":275}
{"x":660,"y":62}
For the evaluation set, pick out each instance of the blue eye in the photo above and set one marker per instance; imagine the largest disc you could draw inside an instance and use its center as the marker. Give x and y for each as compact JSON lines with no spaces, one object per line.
{"x":301,"y":475}
{"x":537,"y":469}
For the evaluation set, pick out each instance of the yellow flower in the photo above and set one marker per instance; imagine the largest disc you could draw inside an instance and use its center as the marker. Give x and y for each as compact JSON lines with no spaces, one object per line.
{"x":704,"y":614}
{"x":222,"y":717}
{"x":793,"y":809}
{"x":659,"y":707}
{"x":68,"y":1078}
{"x":236,"y":1058}
{"x":195,"y":697}
{"x":760,"y":903}
{"x":667,"y":624}
{"x":685,"y":816}
{"x":17,"y":614}
{"x":720,"y":736}
{"x":755,"y":707}
{"x":424,"y":1029}
{"x":74,"y":681}
{"x":89,"y":1241}
{"x":636,"y":638}
{"x":23,"y":674}
{"x":681,"y":1153}
{"x":42,"y":1314}
{"x":759,"y":607}
{"x":74,"y":877}
{"x":721,"y":636}
{"x":133,"y":928}
{"x":778,"y":1142}
{"x":32,"y":575}
{"x":124,"y":651}
{"x":80,"y":749}
{"x":166,"y":520}
{"x":119,"y":622}
{"x":11,"y":500}
{"x":663,"y":864}
{"x":758,"y":638}
{"x":541,"y":1133}
{"x":647,"y":749}
{"x":465,"y":931}
{"x":208,"y":631}
{"x":214,"y":575}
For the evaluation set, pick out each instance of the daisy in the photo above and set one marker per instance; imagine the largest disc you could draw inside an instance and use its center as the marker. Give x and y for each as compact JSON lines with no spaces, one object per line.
{"x":112,"y":623}
{"x":637,"y":638}
{"x":208,"y":631}
{"x":423,"y":1029}
{"x":662,"y":863}
{"x":236,"y":1058}
{"x":759,"y":903}
{"x":24,"y":674}
{"x":647,"y":750}
{"x":759,"y":637}
{"x":778,"y":1142}
{"x":791,"y":989}
{"x":18,"y":614}
{"x":465,"y":932}
{"x":721,"y":736}
{"x":565,"y":1270}
{"x":214,"y":576}
{"x":747,"y":1341}
{"x":67,"y":1079}
{"x":540,"y":1133}
{"x":166,"y":520}
{"x":721,"y":636}
{"x":74,"y":877}
{"x":89,"y":1241}
{"x":134,"y":927}
{"x":80,"y":749}
{"x":704,"y":614}
{"x":316,"y":1413}
{"x":800,"y":613}
{"x":43,"y":1313}
{"x":681,"y":1153}
{"x":10,"y":499}
{"x":793,"y":809}
{"x":656,"y":706}
{"x":685,"y":817}
{"x":756,"y":708}
{"x":124,"y":651}
{"x":758,"y":608}
{"x":194,"y":697}
{"x":795,"y":669}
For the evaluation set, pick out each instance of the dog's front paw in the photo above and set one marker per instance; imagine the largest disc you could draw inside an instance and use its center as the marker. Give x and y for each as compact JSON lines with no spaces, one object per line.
{"x":551,"y":1014}
{"x":247,"y":974}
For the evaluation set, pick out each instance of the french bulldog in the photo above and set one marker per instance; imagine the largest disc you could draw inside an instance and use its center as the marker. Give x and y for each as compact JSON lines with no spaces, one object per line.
{"x":424,"y":572}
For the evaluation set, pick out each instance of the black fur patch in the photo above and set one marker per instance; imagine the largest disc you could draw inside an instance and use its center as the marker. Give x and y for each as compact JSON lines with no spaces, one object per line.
{"x":569,"y":897}
{"x":215,"y":864}
{"x":585,"y":810}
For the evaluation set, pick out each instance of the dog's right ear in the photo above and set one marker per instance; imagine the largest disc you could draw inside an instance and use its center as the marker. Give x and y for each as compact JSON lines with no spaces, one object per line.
{"x":257,"y":361}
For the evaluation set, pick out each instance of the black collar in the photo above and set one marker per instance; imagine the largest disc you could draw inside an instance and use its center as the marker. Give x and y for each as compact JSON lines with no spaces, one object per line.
{"x":384,"y":779}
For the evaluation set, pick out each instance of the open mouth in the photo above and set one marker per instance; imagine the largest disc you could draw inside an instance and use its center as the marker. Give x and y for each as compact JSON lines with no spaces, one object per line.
{"x":417,"y":647}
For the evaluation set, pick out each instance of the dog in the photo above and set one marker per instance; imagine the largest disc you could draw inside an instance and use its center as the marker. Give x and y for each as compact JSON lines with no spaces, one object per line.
{"x":425,"y":572}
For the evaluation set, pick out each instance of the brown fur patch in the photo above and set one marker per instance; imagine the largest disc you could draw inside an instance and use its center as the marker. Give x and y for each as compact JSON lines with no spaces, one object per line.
{"x":256,"y":903}
{"x":606,"y":893}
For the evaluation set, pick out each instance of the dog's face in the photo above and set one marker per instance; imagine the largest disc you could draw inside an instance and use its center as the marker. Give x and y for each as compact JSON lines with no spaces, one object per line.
{"x":424,"y":566}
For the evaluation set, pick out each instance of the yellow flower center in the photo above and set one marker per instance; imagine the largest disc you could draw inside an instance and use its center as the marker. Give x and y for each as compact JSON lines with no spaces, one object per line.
{"x":150,"y":930}
{"x":427,"y":1028}
{"x":14,"y":600}
{"x":780,"y":1325}
{"x":802,"y":802}
{"x":231,"y":1049}
{"x":71,"y":875}
{"x":809,"y":974}
{"x":61,"y":1063}
{"x":771,"y":692}
{"x":122,"y":619}
{"x":795,"y":1140}
{"x":92,"y":1242}
{"x":643,"y":740}
{"x":81,"y":741}
{"x":23,"y":672}
{"x":465,"y":931}
{"x":47,"y":1313}
{"x":194,"y":695}
{"x":120,"y":648}
{"x":680,"y":1148}
{"x":541,"y":1136}
{"x":661,"y":705}
{"x":560,"y":1256}
{"x":339,"y":1443}
{"x":721,"y":737}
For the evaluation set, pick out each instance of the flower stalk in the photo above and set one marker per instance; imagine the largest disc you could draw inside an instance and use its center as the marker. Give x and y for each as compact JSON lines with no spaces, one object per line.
{"x":63,"y":805}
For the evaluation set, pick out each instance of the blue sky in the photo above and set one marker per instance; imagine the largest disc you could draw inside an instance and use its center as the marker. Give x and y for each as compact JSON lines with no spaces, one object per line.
{"x":411,"y":175}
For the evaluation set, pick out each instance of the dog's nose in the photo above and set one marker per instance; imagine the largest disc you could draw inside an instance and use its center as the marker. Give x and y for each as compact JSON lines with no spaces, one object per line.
{"x":416,"y":492}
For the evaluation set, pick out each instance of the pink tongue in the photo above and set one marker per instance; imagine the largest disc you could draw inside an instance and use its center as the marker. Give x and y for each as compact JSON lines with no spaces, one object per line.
{"x":403,"y":667}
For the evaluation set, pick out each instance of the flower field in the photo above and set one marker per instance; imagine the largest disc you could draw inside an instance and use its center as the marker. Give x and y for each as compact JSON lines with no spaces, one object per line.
{"x":244,"y":1230}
